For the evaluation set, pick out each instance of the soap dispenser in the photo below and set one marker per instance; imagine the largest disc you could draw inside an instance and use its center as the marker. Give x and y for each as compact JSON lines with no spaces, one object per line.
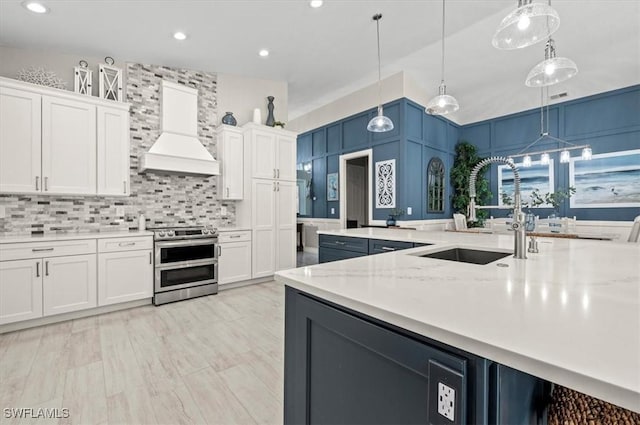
{"x":142,"y":224}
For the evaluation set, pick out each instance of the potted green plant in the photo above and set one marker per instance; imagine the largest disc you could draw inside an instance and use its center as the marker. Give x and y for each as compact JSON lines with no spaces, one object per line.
{"x":396,"y":212}
{"x":279,"y":124}
{"x":465,"y":159}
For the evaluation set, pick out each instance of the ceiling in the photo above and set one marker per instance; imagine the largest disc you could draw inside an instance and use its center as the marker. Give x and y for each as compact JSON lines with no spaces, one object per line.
{"x":329,"y":52}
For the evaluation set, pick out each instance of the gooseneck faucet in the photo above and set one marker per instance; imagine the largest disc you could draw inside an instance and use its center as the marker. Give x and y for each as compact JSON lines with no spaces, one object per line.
{"x":519,"y":242}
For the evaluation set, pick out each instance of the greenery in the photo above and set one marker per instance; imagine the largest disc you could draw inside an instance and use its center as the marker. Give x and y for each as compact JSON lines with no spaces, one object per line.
{"x":279,"y":124}
{"x":555,"y":199}
{"x":465,"y":159}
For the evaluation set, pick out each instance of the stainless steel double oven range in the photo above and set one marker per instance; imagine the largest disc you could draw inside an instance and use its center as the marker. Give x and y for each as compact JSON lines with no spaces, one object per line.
{"x":186,"y":263}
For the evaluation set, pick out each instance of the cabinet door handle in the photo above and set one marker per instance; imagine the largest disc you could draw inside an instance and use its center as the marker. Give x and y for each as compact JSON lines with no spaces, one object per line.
{"x":149,"y":258}
{"x":46,"y":184}
{"x":340,"y":243}
{"x":41,"y":249}
{"x":278,"y":173}
{"x":37,"y":268}
{"x":235,"y":236}
{"x":126,"y":244}
{"x":387,"y":248}
{"x":227,"y":192}
{"x":219,"y":251}
{"x":37,"y":182}
{"x":278,"y":186}
{"x":274,"y":186}
{"x":124,"y":186}
{"x":46,"y":268}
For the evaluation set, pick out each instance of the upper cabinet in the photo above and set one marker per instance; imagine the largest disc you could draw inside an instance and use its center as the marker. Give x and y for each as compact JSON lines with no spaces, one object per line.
{"x":231,"y":156}
{"x":273,"y":152}
{"x":57,"y":142}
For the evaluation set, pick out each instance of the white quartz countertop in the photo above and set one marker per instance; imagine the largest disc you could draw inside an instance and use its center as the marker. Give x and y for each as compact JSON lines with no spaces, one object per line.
{"x":72,"y":236}
{"x":233,"y":229}
{"x":569,"y":314}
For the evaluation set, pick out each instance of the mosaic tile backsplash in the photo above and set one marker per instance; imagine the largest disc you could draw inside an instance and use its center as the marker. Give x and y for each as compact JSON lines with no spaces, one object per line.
{"x":164,"y":199}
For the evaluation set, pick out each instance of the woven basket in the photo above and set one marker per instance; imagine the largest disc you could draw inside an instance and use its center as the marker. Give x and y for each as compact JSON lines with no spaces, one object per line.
{"x":569,"y":407}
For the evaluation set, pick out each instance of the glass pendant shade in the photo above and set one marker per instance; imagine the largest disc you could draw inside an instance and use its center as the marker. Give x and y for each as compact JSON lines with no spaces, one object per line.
{"x":552,"y":70}
{"x":380,"y":123}
{"x":545,"y":159}
{"x":442,"y":104}
{"x":565,"y":156}
{"x":529,"y":24}
{"x":587,"y":153}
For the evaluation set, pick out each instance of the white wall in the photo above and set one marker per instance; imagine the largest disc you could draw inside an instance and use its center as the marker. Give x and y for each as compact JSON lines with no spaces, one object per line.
{"x":358,"y":101}
{"x":241,"y":95}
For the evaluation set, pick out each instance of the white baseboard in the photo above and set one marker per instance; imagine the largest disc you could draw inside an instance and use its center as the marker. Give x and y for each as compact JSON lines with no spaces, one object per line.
{"x":232,"y":285}
{"x":311,"y":249}
{"x":11,"y":327}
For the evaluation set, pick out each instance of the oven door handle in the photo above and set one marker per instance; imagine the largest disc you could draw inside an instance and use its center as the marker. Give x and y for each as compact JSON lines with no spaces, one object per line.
{"x":186,"y":264}
{"x":188,"y":242}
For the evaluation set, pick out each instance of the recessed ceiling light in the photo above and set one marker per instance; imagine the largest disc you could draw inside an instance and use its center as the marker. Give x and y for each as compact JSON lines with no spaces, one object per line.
{"x":35,"y":7}
{"x":264,"y":53}
{"x":315,"y":3}
{"x":180,"y":36}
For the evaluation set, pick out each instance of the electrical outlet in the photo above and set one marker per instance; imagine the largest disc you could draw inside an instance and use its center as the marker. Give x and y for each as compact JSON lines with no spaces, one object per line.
{"x":333,"y":211}
{"x":446,"y":401}
{"x":223,"y":210}
{"x":3,"y":214}
{"x":409,"y":211}
{"x":119,"y":211}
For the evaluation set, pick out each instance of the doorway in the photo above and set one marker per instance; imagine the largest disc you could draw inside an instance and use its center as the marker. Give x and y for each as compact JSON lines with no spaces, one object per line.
{"x":355,"y":204}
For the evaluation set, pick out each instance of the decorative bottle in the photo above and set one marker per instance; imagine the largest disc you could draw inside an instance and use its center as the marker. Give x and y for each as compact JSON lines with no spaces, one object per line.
{"x":270,"y":119}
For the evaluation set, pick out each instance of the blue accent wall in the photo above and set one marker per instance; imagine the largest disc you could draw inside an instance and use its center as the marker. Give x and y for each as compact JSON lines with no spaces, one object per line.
{"x":607,"y":121}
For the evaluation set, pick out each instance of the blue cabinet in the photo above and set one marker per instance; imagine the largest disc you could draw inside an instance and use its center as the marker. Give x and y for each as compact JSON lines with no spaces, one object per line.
{"x":379,"y":246}
{"x":343,"y":367}
{"x":334,"y":248}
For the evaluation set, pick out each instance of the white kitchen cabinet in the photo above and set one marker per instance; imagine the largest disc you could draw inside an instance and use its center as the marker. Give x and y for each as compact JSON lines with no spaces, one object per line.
{"x":234,"y":260}
{"x":58,"y":142}
{"x":68,"y":146}
{"x":124,"y":276}
{"x":20,"y":141}
{"x":274,"y":226}
{"x":69,"y":284}
{"x":20,"y":290}
{"x":273,"y":152}
{"x":113,"y":151}
{"x":231,"y":157}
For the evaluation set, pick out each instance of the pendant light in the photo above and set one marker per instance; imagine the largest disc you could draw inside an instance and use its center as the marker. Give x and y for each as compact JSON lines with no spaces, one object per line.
{"x":379,"y":123}
{"x":443,"y":103}
{"x":552,"y":70}
{"x":529,"y":24}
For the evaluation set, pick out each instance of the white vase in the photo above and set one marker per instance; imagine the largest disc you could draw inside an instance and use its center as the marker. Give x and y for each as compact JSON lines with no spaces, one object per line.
{"x":257,"y":118}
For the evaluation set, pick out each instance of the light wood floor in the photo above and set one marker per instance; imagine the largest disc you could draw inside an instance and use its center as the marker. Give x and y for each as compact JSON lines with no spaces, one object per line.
{"x":211,"y":360}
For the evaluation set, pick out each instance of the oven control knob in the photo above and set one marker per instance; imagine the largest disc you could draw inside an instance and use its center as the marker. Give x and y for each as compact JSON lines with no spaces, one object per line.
{"x":161,"y":234}
{"x":171,"y":233}
{"x":206,"y":232}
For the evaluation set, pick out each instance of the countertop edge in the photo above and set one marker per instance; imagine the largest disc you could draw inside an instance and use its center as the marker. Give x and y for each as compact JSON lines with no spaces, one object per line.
{"x":73,"y":236}
{"x":624,"y":397}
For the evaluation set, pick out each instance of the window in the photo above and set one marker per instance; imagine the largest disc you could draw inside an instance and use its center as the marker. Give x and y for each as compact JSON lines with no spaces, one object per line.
{"x":435,"y":186}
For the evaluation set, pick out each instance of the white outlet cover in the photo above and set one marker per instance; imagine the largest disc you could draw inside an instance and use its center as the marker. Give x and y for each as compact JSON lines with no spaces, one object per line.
{"x":446,"y":401}
{"x":409,"y":211}
{"x":2,"y":212}
{"x":119,"y":211}
{"x":333,"y":210}
{"x":223,"y":210}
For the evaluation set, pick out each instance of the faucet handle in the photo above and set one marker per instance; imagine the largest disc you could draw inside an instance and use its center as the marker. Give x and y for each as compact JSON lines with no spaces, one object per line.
{"x":533,"y":245}
{"x":471,"y":210}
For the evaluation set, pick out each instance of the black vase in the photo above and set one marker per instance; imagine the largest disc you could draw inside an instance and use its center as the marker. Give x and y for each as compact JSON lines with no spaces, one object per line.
{"x":270,"y":119}
{"x":391,"y":221}
{"x":229,"y":119}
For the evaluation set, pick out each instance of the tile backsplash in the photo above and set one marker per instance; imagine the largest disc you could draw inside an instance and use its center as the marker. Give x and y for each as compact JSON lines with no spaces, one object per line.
{"x":164,"y":199}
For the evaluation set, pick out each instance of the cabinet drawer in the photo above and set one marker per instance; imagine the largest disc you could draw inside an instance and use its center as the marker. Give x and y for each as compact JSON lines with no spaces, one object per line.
{"x":345,"y":243}
{"x":241,"y":236}
{"x":125,"y":244}
{"x":378,"y":246}
{"x":28,"y":250}
{"x":326,"y":255}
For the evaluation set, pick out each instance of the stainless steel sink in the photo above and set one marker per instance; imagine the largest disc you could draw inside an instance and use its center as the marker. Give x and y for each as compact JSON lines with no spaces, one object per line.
{"x":464,"y":255}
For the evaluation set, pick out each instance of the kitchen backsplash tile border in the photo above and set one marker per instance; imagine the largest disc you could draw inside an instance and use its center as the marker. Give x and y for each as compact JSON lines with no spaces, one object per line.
{"x":164,"y":199}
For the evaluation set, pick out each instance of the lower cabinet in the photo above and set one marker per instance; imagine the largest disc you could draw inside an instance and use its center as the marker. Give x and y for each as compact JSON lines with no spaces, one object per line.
{"x":345,"y":367}
{"x":334,"y":247}
{"x":20,"y":290}
{"x":234,"y":259}
{"x":124,"y":276}
{"x":69,"y":284}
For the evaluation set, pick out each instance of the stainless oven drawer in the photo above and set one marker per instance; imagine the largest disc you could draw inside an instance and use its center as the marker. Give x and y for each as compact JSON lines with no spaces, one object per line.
{"x":189,"y":274}
{"x":184,"y":251}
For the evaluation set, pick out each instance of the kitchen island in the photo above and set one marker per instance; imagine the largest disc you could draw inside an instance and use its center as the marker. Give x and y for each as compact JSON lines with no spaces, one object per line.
{"x":568,"y":315}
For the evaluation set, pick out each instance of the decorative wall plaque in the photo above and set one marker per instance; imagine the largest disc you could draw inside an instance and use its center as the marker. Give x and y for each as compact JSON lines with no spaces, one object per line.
{"x":386,"y":184}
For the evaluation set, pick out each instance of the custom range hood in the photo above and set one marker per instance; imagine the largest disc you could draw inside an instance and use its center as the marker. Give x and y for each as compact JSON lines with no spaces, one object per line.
{"x":178,"y":149}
